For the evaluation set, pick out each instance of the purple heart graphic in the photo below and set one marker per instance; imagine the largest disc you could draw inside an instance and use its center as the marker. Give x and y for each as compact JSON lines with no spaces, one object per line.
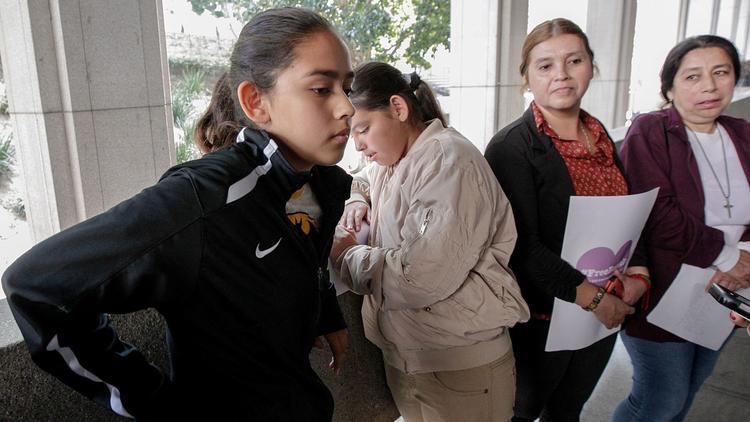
{"x":599,"y":264}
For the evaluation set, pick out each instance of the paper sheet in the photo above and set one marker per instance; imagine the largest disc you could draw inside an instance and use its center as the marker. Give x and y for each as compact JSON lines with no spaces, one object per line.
{"x":687,"y":310}
{"x":600,"y":236}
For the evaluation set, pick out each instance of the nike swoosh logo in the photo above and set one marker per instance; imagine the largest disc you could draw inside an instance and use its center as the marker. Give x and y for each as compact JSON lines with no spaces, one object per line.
{"x":262,"y":253}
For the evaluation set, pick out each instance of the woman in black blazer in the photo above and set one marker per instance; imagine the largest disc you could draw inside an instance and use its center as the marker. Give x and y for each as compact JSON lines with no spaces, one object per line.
{"x":554,"y":151}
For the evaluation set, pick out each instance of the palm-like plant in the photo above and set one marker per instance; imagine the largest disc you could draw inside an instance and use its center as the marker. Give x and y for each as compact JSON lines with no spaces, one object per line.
{"x":7,"y":157}
{"x":185,"y":93}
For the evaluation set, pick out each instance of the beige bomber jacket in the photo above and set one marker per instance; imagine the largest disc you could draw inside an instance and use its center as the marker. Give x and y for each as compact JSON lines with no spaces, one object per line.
{"x":438,"y":291}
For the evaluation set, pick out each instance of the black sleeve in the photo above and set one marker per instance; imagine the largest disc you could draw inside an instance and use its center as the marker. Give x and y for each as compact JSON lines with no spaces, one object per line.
{"x":142,"y":253}
{"x":543,"y":268}
{"x":331,"y":318}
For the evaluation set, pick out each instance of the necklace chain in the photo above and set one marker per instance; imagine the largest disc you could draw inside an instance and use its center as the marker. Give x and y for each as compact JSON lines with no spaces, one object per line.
{"x":728,"y":193}
{"x":586,"y":141}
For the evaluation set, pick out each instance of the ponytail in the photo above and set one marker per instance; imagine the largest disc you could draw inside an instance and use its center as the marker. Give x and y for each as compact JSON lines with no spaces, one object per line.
{"x":375,"y":83}
{"x":217,"y":128}
{"x":428,"y":104}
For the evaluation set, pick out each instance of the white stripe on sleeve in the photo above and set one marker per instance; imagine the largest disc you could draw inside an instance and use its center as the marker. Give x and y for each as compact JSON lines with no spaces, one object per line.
{"x":72,"y":361}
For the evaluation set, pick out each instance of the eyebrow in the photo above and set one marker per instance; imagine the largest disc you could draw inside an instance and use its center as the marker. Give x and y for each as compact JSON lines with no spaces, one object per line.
{"x":699,"y":68}
{"x":330,"y":74}
{"x":572,"y":53}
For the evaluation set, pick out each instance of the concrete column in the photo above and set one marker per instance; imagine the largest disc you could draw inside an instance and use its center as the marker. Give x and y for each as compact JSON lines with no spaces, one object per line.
{"x":715,"y":10}
{"x":88,"y":90}
{"x":735,"y":20}
{"x":486,"y":40}
{"x":610,"y":29}
{"x":682,"y":18}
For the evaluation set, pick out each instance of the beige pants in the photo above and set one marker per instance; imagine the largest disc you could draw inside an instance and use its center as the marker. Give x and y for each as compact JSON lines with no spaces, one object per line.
{"x":484,"y":393}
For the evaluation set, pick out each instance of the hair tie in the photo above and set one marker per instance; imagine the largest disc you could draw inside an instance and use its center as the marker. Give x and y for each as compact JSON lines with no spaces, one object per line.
{"x":414,"y":81}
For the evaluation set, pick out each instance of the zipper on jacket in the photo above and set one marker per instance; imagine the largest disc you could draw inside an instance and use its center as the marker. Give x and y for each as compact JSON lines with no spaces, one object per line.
{"x":324,"y":283}
{"x":425,"y":222}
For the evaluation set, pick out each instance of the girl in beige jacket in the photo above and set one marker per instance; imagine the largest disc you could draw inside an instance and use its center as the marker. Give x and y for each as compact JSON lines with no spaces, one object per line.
{"x":439,"y":294}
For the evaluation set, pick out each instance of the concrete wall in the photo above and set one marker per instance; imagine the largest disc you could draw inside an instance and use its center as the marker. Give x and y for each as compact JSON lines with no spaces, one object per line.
{"x":88,"y":94}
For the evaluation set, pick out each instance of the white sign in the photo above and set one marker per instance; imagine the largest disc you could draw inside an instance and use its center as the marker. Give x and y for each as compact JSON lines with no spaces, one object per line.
{"x":687,"y":310}
{"x":600,"y":236}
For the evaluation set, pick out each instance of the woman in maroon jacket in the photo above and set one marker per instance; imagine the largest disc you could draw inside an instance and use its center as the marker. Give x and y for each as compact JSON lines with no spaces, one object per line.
{"x":700,"y":160}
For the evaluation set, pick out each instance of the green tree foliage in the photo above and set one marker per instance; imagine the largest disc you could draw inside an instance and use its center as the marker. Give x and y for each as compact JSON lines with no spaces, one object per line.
{"x":374,"y":30}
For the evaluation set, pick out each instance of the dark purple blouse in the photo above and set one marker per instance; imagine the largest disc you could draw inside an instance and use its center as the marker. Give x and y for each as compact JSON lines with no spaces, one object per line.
{"x":656,"y":153}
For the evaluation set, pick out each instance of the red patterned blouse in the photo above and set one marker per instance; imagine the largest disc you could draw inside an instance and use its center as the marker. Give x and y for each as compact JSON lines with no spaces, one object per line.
{"x":592,"y":174}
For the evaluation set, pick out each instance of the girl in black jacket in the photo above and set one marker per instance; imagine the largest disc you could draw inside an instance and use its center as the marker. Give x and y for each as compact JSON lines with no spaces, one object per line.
{"x":231,"y":249}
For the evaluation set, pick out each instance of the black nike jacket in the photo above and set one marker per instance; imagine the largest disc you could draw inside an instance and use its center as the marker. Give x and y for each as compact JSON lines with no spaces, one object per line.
{"x":243,"y":292}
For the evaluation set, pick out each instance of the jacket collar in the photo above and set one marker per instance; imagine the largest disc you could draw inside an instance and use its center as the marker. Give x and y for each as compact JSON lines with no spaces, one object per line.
{"x":434,"y":127}
{"x":330,"y":182}
{"x":544,"y":142}
{"x":676,"y":127}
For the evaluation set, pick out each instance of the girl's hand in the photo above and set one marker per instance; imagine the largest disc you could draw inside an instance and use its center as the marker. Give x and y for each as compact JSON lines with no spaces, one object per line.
{"x":343,"y":239}
{"x":354,"y":214}
{"x":338,"y":341}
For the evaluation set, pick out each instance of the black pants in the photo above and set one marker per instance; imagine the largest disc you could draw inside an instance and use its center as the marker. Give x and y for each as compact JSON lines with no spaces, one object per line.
{"x":553,"y":386}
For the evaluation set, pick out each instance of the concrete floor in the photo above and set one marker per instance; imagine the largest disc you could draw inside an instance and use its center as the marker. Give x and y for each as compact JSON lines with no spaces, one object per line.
{"x":725,"y":397}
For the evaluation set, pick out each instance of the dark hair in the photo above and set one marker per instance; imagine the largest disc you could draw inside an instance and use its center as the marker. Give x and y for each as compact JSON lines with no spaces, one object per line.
{"x":375,"y":82}
{"x":677,"y":53}
{"x":550,"y":29}
{"x":265,"y":47}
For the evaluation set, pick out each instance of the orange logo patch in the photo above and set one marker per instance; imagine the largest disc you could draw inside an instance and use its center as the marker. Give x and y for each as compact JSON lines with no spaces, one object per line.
{"x":303,"y":220}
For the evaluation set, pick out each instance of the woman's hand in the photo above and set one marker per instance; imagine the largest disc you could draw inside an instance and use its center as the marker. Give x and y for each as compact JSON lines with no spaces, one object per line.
{"x":343,"y":239}
{"x":634,"y":288}
{"x":354,"y":214}
{"x":739,"y":321}
{"x":725,"y":280}
{"x":741,"y":270}
{"x":612,"y":311}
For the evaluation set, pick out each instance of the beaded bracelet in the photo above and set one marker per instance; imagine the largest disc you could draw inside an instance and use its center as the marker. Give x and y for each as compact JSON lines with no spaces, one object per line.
{"x":595,"y":301}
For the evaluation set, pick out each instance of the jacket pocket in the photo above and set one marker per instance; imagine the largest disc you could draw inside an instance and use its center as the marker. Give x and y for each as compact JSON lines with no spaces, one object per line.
{"x":467,"y":382}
